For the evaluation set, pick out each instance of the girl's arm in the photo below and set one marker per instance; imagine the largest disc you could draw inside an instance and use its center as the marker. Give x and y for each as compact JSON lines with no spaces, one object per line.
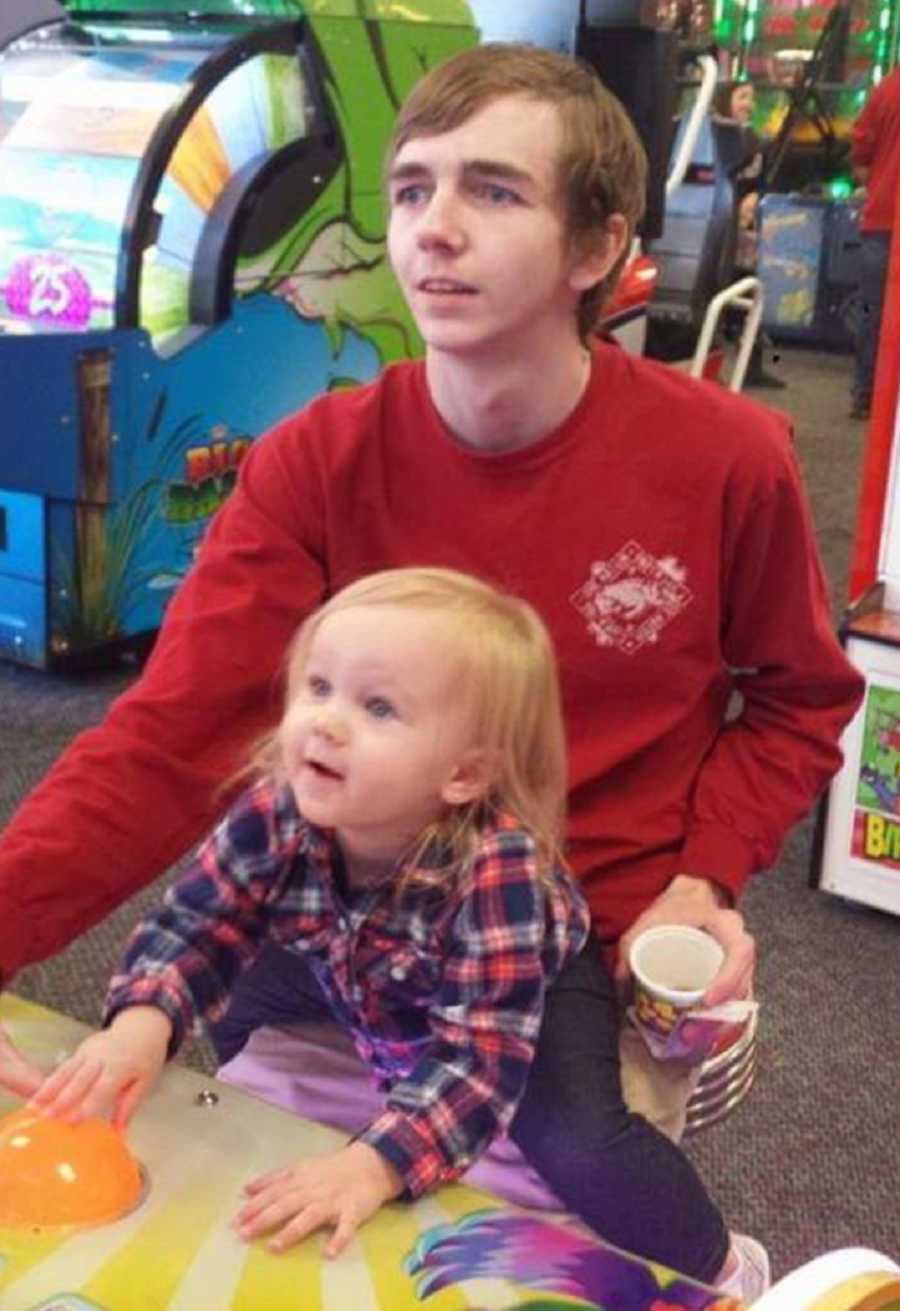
{"x":184,"y":958}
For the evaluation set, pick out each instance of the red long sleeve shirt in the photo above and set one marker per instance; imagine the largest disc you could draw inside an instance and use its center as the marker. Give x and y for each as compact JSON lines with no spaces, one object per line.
{"x":876,"y":145}
{"x":662,"y":533}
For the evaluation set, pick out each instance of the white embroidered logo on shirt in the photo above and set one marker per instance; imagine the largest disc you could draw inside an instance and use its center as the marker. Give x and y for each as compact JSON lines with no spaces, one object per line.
{"x":628,"y":600}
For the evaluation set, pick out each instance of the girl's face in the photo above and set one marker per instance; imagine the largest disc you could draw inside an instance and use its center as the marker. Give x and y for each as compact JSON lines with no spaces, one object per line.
{"x":742,"y":101}
{"x":375,"y":742}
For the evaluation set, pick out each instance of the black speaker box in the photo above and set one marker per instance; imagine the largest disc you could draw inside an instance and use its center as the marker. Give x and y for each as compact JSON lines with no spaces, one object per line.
{"x":638,"y":64}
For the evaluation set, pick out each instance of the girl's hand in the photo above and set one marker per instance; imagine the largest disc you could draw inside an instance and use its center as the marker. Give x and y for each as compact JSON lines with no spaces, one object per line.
{"x":16,"y":1074}
{"x":341,"y":1189}
{"x":111,"y":1072}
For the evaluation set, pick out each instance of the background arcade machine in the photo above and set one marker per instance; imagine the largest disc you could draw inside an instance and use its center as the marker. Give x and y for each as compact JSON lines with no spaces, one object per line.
{"x":857,"y":854}
{"x":769,"y":41}
{"x":812,"y":64}
{"x":809,"y":247}
{"x":191,"y":245}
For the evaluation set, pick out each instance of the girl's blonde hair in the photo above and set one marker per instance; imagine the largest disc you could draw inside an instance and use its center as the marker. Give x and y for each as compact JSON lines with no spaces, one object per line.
{"x":510,"y":694}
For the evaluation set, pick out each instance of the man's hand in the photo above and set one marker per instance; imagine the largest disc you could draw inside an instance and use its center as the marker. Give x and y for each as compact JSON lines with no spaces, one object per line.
{"x":341,"y":1189}
{"x":111,"y":1072}
{"x":16,"y":1074}
{"x":699,"y":903}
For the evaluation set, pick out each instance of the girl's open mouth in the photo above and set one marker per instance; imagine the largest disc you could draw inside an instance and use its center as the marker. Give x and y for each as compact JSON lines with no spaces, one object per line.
{"x":323,"y":771}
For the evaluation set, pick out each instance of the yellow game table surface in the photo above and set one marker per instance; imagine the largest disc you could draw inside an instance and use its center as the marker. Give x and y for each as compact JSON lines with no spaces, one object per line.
{"x":200,"y":1140}
{"x":455,"y":1249}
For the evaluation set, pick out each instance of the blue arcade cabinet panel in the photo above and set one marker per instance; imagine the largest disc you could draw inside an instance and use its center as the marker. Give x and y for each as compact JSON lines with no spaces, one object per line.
{"x":808,"y":265}
{"x":791,"y":231}
{"x":23,"y":606}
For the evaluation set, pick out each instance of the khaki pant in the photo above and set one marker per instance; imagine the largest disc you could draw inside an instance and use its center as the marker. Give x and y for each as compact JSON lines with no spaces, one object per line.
{"x":658,"y":1090}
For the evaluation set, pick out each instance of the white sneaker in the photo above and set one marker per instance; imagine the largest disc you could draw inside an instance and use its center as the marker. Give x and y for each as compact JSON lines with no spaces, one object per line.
{"x":753,"y":1273}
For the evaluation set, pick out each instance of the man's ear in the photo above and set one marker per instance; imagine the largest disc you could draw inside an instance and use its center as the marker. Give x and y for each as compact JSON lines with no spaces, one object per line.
{"x":591,"y":266}
{"x":471,"y":778}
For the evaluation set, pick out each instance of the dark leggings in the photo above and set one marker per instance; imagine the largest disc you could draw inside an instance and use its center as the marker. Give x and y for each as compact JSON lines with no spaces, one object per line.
{"x":626,"y":1180}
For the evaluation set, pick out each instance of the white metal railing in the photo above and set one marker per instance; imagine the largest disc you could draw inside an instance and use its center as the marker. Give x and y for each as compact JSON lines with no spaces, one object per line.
{"x":696,"y":115}
{"x":746,"y":295}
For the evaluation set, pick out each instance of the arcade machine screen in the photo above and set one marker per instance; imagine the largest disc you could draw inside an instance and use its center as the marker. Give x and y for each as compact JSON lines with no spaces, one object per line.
{"x":77,"y":116}
{"x":80,"y":109}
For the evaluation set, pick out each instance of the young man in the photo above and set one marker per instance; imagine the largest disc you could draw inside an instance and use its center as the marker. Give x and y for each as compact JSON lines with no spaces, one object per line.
{"x":657,"y":524}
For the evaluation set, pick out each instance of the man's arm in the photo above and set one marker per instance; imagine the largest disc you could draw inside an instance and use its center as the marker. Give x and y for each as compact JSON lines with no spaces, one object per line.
{"x":129,"y":797}
{"x":771,"y":760}
{"x":796,"y":687}
{"x":865,"y":135}
{"x":17,"y":1074}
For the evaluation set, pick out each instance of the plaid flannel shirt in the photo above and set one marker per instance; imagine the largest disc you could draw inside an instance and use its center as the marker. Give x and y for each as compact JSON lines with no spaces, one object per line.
{"x":442,"y":988}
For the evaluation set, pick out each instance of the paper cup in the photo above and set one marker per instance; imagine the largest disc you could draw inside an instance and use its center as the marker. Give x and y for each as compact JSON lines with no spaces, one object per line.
{"x":673,"y":965}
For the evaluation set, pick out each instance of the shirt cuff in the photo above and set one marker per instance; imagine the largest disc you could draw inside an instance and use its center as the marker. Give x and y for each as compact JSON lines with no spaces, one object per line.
{"x":147,"y":992}
{"x":720,"y":855}
{"x":411,"y":1152}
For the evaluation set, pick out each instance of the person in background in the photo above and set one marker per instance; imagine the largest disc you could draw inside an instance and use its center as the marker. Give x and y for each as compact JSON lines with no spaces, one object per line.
{"x":402,"y":839}
{"x":657,"y":524}
{"x":875,"y":153}
{"x":735,"y":102}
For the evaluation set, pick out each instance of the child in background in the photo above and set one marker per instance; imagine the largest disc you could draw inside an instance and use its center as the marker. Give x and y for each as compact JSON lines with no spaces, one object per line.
{"x":403,"y":836}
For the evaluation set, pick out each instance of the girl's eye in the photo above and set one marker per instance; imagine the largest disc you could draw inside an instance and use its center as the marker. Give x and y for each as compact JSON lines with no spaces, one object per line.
{"x":318,"y":686}
{"x":380,"y":708}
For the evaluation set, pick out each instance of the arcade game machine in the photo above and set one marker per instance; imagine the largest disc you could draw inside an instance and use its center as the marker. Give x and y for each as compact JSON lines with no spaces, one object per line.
{"x":857,"y":853}
{"x":91,"y":1223}
{"x":812,"y":66}
{"x":191,"y":245}
{"x":767,"y":40}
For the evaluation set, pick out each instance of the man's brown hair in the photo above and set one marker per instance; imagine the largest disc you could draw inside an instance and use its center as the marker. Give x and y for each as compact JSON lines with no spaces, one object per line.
{"x":602,"y":166}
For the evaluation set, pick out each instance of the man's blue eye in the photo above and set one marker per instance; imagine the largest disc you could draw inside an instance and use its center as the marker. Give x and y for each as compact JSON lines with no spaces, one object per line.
{"x":497,"y":194}
{"x":379,"y":707}
{"x":408,"y":195}
{"x":318,"y":686}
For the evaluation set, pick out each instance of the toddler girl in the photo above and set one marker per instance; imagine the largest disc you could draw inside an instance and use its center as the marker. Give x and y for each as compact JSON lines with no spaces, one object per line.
{"x":402,"y":835}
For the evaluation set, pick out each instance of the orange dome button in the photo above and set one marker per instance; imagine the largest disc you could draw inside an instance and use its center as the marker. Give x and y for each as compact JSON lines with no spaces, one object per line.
{"x":52,"y":1173}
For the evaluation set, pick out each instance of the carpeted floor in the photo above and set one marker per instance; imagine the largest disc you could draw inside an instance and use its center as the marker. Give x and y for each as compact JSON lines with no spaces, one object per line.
{"x":811,"y":1160}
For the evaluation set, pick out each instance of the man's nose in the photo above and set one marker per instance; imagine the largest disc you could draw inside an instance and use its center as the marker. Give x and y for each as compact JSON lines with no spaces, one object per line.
{"x":442,"y":224}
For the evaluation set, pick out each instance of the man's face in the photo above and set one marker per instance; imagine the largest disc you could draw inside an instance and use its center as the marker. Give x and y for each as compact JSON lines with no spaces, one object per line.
{"x":477,"y":234}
